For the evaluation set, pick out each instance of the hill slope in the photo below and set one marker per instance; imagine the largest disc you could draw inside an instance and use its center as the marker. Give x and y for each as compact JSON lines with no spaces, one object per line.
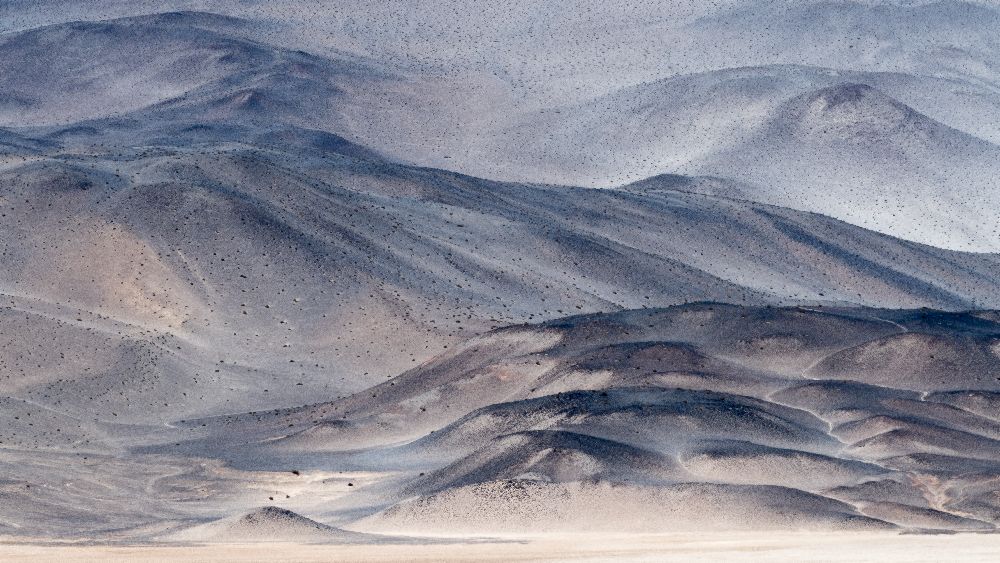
{"x":854,"y":153}
{"x":687,"y":409}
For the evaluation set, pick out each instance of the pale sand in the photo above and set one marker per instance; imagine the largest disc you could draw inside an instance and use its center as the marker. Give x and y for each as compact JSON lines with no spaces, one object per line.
{"x":785,"y":546}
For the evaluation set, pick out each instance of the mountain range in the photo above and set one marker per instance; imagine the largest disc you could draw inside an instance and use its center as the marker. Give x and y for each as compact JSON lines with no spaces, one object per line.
{"x":270,"y":277}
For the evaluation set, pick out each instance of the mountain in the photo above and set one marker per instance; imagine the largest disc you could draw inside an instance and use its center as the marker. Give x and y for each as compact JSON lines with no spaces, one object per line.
{"x":256,"y":268}
{"x":210,"y":79}
{"x":661,"y":125}
{"x":704,"y":409}
{"x":306,"y":260}
{"x":74,"y":71}
{"x":830,"y":141}
{"x":176,"y":78}
{"x":629,"y":93}
{"x":854,"y":153}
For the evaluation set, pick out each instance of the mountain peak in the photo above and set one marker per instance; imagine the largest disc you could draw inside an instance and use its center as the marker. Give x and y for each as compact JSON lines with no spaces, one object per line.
{"x":836,"y":96}
{"x":848,"y":110}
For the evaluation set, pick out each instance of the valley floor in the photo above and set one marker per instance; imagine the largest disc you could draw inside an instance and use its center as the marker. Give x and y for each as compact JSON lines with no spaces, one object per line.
{"x":763,"y":546}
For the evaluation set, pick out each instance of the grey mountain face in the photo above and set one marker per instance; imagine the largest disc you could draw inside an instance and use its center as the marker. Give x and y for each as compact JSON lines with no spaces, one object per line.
{"x":303,"y":252}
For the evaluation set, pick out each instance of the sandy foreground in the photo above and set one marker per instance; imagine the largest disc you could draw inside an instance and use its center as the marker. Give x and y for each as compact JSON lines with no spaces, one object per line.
{"x":783,"y":546}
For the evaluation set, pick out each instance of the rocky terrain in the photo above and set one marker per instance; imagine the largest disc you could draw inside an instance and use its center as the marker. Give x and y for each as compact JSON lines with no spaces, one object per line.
{"x":286,"y":278}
